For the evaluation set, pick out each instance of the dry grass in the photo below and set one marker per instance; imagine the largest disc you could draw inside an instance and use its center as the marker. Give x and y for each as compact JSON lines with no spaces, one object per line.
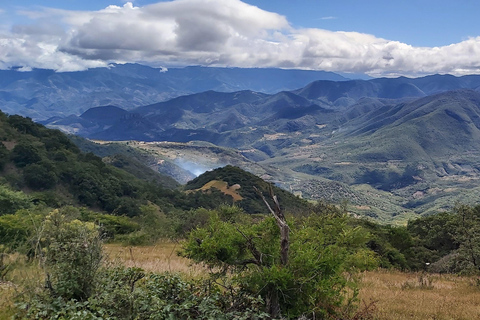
{"x":225,"y":188}
{"x":418,"y":296}
{"x":161,"y":257}
{"x":7,"y":293}
{"x":397,"y":295}
{"x":22,"y":274}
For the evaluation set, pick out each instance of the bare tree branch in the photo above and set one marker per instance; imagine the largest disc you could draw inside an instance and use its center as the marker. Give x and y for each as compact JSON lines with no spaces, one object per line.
{"x":277,"y":213}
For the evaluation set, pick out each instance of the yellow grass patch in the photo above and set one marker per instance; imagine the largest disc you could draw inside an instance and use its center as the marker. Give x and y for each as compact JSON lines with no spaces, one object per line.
{"x":9,"y":144}
{"x":275,"y":136}
{"x":7,"y":293}
{"x":421,"y":296}
{"x":21,"y":275}
{"x":223,"y":187}
{"x":158,"y":258}
{"x":362,"y":207}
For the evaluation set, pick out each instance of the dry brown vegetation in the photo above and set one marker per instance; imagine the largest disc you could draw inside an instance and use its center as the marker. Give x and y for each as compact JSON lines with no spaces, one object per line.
{"x":395,"y":295}
{"x":20,"y":274}
{"x":7,"y":292}
{"x":161,"y":257}
{"x":421,"y":296}
{"x":225,"y":188}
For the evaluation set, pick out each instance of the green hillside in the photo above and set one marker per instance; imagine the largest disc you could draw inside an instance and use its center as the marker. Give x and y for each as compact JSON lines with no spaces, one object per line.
{"x":48,"y":167}
{"x":246,"y":184}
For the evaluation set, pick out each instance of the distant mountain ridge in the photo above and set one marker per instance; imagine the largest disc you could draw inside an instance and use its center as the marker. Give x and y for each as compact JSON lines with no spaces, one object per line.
{"x":213,"y":116}
{"x":42,"y":94}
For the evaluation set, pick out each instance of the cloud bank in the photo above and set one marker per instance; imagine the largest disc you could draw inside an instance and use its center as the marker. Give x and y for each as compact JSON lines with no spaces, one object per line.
{"x":214,"y":33}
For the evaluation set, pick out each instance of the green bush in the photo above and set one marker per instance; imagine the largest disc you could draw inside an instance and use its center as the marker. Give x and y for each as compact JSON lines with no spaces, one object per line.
{"x":11,"y":201}
{"x":25,"y":153}
{"x":128,"y":293}
{"x":72,"y":253}
{"x":15,"y":230}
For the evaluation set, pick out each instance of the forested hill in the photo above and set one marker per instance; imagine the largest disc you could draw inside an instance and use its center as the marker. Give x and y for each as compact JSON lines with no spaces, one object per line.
{"x":242,"y":184}
{"x":48,"y":167}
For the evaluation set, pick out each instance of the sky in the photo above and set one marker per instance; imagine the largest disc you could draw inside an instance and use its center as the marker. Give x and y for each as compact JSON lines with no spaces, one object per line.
{"x":375,"y":37}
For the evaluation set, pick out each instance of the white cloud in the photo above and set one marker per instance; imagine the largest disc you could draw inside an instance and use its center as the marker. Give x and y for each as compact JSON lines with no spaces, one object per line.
{"x":328,"y":18}
{"x":216,"y":33}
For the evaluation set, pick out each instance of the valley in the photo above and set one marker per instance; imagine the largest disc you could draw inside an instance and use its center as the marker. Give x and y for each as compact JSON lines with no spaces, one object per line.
{"x":392,"y":161}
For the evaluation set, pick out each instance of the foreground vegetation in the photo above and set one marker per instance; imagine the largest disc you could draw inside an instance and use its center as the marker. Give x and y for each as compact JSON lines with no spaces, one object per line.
{"x":241,"y":273}
{"x":404,"y":295}
{"x":254,"y":258}
{"x":383,"y":294}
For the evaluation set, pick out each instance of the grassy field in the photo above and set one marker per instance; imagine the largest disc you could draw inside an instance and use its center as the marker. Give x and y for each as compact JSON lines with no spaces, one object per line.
{"x":159,"y":258}
{"x":419,"y":296}
{"x":395,"y":295}
{"x":20,"y":275}
{"x":392,"y":295}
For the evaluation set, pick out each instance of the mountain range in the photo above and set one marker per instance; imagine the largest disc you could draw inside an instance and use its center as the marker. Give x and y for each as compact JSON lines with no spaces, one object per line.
{"x":394,"y":148}
{"x":41,"y":94}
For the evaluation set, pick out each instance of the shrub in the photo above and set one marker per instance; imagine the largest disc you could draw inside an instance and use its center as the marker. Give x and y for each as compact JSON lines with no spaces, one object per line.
{"x":72,"y":255}
{"x":25,"y":153}
{"x":39,"y":176}
{"x":11,"y":201}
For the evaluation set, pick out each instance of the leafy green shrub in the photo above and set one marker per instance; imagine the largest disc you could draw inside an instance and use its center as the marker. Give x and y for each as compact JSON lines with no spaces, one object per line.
{"x":25,"y":153}
{"x":16,"y":230}
{"x":11,"y":201}
{"x":24,"y":125}
{"x":137,"y":238}
{"x":128,"y":293}
{"x":72,"y":254}
{"x":467,"y":235}
{"x":110,"y":225}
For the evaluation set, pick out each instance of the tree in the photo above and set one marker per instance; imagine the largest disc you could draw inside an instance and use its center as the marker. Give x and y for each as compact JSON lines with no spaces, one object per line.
{"x":39,"y":176}
{"x":11,"y":201}
{"x":25,"y":153}
{"x":297,"y":272}
{"x":467,"y":235}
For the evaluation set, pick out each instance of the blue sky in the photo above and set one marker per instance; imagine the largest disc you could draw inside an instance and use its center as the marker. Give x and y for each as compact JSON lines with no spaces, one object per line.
{"x":377,"y":37}
{"x":418,"y":22}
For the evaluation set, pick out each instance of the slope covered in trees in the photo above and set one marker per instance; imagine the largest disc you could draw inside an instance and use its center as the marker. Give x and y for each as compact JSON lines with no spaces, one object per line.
{"x":245,"y":183}
{"x":51,"y":169}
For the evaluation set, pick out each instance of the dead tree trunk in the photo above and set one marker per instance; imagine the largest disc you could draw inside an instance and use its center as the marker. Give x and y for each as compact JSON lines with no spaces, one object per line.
{"x":273,"y":301}
{"x":279,"y":216}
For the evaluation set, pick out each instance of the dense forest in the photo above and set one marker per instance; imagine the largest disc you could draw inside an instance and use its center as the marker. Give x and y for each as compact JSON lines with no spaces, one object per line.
{"x":58,"y":205}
